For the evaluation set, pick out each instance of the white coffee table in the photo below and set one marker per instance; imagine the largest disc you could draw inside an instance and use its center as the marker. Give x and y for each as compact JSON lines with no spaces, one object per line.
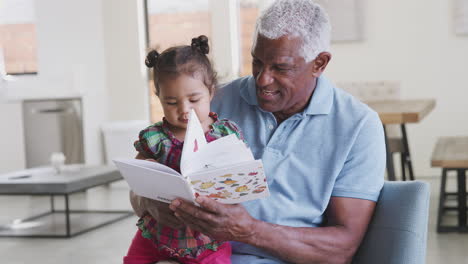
{"x":45,"y":181}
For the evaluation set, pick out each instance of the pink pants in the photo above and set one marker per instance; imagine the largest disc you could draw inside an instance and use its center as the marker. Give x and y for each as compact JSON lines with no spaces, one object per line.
{"x":143,"y":251}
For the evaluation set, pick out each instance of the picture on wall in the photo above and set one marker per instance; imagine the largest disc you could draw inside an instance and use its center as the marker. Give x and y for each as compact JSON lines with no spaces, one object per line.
{"x":461,"y":17}
{"x":346,"y":19}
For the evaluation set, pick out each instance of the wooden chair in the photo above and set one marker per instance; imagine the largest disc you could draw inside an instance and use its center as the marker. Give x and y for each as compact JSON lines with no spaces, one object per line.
{"x":451,"y":154}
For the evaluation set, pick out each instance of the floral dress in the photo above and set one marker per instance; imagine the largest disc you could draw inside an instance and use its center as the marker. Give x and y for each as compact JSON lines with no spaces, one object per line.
{"x":158,"y":142}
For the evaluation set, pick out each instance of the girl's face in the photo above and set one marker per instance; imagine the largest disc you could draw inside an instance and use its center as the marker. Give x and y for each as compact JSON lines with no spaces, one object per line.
{"x":181,"y":94}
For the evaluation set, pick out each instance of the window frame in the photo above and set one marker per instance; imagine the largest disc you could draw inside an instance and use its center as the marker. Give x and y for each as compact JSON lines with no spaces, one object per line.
{"x":225,"y":40}
{"x":19,"y":74}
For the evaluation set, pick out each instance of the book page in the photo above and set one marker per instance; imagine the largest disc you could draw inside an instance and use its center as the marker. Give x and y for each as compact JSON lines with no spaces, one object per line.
{"x":220,"y":153}
{"x":234,"y":184}
{"x":198,"y":155}
{"x":194,"y":141}
{"x":154,"y":181}
{"x":149,"y":164}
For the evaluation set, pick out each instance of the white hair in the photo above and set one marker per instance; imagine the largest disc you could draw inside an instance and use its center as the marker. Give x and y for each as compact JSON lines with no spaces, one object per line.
{"x":298,"y":18}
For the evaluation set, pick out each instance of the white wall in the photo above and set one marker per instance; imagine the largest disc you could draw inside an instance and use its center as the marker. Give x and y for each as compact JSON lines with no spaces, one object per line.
{"x":11,"y":137}
{"x":125,"y":45}
{"x":71,"y":62}
{"x":88,"y":48}
{"x":78,"y":27}
{"x":409,"y":41}
{"x":413,"y":42}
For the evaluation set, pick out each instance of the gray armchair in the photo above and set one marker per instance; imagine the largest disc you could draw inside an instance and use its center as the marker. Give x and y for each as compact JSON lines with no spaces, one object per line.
{"x":398,"y":230}
{"x":397,"y":233}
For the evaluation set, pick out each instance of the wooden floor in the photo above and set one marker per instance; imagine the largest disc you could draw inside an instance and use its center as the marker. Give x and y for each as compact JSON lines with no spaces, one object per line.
{"x":108,"y":244}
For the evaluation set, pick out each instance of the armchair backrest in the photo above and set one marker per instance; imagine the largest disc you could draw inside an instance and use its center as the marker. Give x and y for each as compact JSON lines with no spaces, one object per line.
{"x":397,"y":233}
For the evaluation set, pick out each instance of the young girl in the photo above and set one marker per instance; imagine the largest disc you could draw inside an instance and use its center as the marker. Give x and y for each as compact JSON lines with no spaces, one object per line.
{"x":184,"y":80}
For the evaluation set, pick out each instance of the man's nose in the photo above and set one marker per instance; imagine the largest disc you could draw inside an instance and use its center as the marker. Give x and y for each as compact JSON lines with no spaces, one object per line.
{"x":264,"y":78}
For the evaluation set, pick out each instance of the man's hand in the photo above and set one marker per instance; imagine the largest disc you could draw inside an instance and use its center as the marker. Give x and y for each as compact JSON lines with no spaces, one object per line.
{"x":158,"y":210}
{"x":221,"y":221}
{"x":337,"y":242}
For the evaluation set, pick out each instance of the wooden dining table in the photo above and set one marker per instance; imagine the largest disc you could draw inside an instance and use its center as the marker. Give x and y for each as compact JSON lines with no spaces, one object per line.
{"x":401,"y":112}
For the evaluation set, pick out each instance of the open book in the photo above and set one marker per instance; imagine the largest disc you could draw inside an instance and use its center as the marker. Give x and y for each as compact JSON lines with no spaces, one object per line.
{"x":224,"y":170}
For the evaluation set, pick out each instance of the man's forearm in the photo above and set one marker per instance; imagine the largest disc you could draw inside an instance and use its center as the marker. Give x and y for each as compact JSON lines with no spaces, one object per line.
{"x":347,"y":220}
{"x":332,"y":244}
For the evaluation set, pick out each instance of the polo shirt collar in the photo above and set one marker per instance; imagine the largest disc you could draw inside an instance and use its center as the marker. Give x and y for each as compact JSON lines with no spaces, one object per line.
{"x":248,"y":92}
{"x":320,"y":104}
{"x":322,"y":98}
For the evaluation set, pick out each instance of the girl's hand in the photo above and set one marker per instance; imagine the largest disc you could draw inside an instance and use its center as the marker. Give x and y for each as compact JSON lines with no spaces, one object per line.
{"x":158,"y":210}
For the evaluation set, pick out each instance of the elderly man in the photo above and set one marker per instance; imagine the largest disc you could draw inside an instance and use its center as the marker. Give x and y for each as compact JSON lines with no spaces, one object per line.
{"x":323,"y":151}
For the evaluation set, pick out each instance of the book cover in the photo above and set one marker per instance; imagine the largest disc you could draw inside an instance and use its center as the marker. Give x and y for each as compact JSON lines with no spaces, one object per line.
{"x":224,"y":170}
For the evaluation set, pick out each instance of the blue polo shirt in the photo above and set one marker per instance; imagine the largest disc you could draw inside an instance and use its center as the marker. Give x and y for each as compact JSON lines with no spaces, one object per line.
{"x":335,"y":147}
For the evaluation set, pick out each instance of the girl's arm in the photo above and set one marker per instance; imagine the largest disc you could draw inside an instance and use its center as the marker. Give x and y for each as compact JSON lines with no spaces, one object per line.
{"x":136,"y":201}
{"x":158,"y":210}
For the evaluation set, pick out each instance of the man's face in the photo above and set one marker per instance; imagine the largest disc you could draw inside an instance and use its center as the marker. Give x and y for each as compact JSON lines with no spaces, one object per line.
{"x":284,"y":81}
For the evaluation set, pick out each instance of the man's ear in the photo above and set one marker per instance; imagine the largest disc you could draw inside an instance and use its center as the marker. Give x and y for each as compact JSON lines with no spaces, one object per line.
{"x":320,"y":63}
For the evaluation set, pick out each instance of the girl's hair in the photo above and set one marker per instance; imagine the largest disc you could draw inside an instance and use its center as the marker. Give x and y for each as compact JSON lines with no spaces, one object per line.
{"x":191,"y":60}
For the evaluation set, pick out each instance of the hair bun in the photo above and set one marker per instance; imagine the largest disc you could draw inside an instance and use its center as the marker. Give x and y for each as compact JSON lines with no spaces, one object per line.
{"x":151,"y":58}
{"x":201,"y":44}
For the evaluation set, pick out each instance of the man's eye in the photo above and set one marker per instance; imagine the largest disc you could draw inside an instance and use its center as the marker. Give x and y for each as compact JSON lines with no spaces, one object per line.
{"x":171,"y":103}
{"x":281,"y":69}
{"x":194,"y":101}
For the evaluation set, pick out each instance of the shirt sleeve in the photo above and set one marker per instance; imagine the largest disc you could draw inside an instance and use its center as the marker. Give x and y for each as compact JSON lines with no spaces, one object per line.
{"x":362,"y":175}
{"x":149,"y":142}
{"x":232,"y":128}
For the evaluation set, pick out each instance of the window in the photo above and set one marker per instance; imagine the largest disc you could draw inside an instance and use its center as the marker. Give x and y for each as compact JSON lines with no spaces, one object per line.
{"x":174,"y":23}
{"x":18,"y":42}
{"x":249,"y":11}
